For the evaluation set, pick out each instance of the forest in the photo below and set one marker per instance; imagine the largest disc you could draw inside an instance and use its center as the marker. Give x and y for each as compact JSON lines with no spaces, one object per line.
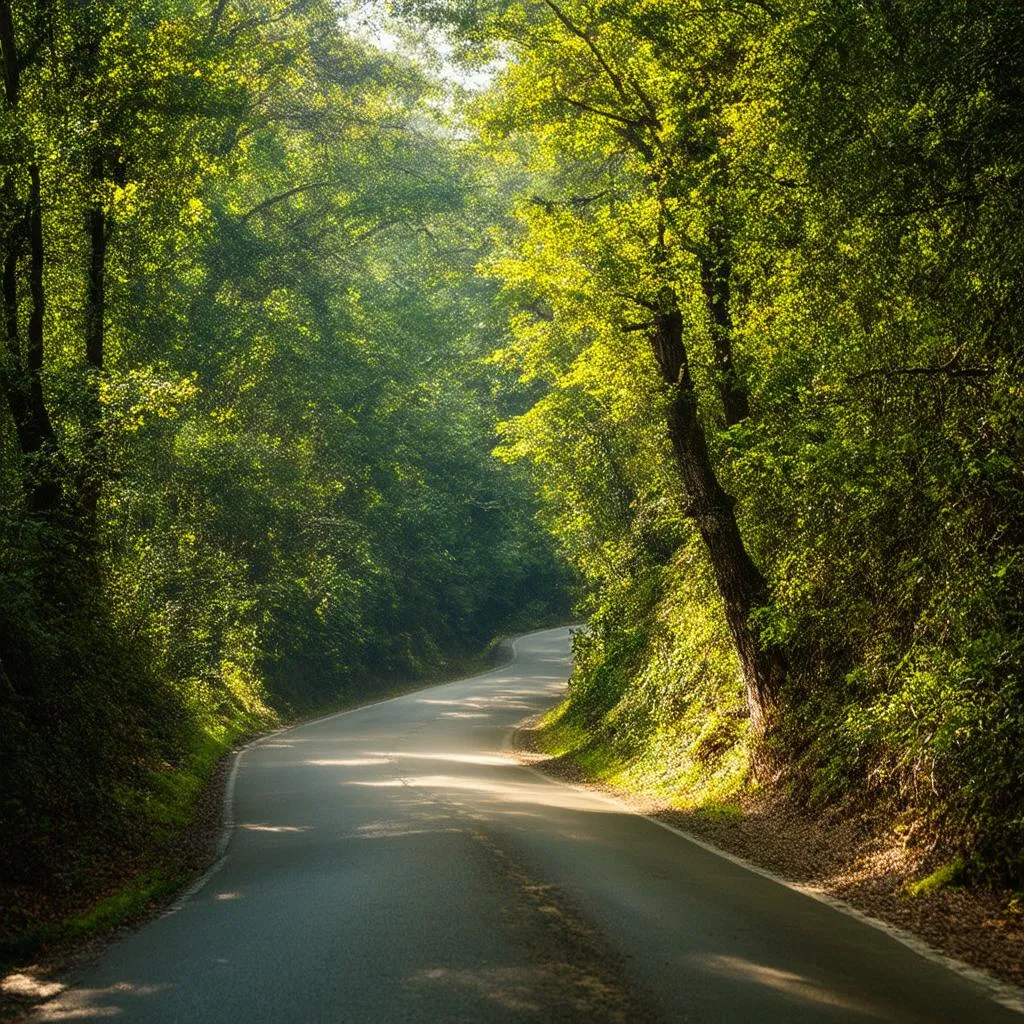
{"x":341,"y":339}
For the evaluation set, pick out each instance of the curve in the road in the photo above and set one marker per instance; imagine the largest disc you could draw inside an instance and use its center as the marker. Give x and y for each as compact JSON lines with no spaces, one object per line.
{"x":394,"y":863}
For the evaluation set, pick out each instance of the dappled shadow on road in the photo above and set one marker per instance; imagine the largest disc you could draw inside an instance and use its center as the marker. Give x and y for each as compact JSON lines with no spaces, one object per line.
{"x":414,"y":868}
{"x":485,"y":789}
{"x":87,"y":1004}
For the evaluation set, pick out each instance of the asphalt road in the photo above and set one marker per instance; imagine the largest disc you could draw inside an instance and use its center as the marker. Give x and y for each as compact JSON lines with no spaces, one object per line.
{"x":395,"y":864}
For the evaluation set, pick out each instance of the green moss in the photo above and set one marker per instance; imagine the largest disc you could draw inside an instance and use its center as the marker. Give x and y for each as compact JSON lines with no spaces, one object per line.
{"x":943,"y":877}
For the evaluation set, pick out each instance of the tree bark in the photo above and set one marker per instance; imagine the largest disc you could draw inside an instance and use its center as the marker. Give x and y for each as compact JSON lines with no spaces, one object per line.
{"x":96,"y":224}
{"x":13,"y":376}
{"x":715,"y":274}
{"x":45,"y":495}
{"x":9,"y":53}
{"x":95,"y":317}
{"x":22,"y":380}
{"x":740,"y":582}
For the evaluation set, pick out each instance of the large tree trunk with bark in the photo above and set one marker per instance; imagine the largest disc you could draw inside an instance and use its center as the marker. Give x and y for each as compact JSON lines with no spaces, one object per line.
{"x":95,"y":321}
{"x":22,"y":374}
{"x":715,"y":275}
{"x":45,"y":489}
{"x":22,"y":377}
{"x":740,"y":582}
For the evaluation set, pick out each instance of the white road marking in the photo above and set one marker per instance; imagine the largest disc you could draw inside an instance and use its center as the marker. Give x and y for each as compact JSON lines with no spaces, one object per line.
{"x":228,"y":812}
{"x":999,"y":991}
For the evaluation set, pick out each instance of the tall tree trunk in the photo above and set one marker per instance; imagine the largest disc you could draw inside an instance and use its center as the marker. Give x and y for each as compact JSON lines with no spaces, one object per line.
{"x":23,"y":380}
{"x":739,"y":580}
{"x":9,"y":54}
{"x":96,"y":224}
{"x":12,"y":373}
{"x":45,"y":495}
{"x":95,"y":315}
{"x":715,"y":274}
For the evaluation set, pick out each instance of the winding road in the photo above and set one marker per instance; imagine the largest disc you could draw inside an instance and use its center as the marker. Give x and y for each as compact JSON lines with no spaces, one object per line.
{"x":395,"y":863}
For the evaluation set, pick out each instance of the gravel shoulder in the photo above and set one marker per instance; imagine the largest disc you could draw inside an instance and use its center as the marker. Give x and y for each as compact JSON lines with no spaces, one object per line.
{"x":844,"y":856}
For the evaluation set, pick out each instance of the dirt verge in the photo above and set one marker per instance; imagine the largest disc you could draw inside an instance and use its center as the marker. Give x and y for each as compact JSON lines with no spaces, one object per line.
{"x":848,"y":857}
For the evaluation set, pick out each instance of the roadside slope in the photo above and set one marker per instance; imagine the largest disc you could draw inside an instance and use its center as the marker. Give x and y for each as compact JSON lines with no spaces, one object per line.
{"x":396,"y":863}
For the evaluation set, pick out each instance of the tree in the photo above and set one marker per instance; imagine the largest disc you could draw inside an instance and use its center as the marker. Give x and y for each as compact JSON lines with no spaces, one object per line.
{"x":649,"y":156}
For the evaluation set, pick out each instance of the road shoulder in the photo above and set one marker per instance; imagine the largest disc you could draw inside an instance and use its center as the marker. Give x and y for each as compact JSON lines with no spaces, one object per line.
{"x":978,"y":933}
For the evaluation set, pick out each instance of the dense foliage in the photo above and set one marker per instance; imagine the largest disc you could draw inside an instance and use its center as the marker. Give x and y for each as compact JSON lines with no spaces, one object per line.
{"x":767,"y":269}
{"x":245,"y":458}
{"x":740,"y":280}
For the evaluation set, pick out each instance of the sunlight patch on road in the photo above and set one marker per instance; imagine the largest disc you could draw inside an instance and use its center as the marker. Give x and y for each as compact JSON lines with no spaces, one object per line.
{"x":398,"y":830}
{"x":510,"y":987}
{"x":466,"y":702}
{"x":510,"y":793}
{"x":482,"y":759}
{"x":787,"y":982}
{"x":23,"y":986}
{"x":346,"y":762}
{"x":261,"y":827}
{"x":94,"y":1003}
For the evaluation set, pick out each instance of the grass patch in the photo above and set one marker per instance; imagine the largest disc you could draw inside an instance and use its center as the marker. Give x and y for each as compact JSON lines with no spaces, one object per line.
{"x":656,"y":704}
{"x":941,"y":878}
{"x":557,"y":734}
{"x":723,"y":811}
{"x":671,"y":764}
{"x":124,"y":904}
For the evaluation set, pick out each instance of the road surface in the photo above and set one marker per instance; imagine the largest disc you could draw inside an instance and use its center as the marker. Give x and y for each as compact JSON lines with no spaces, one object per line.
{"x":396,"y":864}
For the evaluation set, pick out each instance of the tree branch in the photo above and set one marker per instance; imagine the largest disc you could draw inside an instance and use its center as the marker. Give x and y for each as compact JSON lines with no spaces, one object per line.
{"x":215,"y":15}
{"x":281,"y":197}
{"x":632,"y":122}
{"x":598,"y":56}
{"x":652,"y":306}
{"x":617,"y":82}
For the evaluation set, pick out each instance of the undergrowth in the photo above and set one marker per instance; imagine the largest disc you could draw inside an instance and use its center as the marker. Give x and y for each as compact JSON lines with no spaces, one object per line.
{"x":927,"y":739}
{"x":657,"y":707}
{"x":130,"y":856}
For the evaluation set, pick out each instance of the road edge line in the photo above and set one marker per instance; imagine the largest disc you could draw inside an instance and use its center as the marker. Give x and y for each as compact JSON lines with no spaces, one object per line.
{"x":228,"y":800}
{"x":1007,"y":995}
